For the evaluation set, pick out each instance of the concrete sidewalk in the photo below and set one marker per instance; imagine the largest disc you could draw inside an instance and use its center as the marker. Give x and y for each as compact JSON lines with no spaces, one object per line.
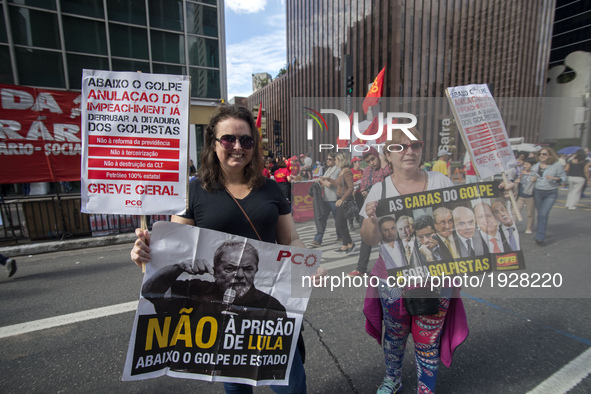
{"x":69,"y":244}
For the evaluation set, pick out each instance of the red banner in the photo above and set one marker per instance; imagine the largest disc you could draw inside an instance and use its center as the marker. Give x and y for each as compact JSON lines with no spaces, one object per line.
{"x":39,"y":135}
{"x":303,"y":208}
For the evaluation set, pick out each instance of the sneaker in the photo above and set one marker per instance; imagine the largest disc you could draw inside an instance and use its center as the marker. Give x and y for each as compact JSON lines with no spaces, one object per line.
{"x":350,"y":250}
{"x":388,"y":386}
{"x":315,"y":244}
{"x":529,"y":232}
{"x":339,"y":250}
{"x":355,"y":273}
{"x":540,"y":242}
{"x":11,"y":267}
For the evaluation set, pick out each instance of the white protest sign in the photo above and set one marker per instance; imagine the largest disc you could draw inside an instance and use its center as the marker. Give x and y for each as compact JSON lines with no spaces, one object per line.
{"x":135,"y":140}
{"x":482,"y":129}
{"x":219,"y":307}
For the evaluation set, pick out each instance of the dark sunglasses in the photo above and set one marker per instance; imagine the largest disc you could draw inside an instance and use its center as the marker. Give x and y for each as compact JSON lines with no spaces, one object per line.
{"x":416,"y":146}
{"x":228,"y":141}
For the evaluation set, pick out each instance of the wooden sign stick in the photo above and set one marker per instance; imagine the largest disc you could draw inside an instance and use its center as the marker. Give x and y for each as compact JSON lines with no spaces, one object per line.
{"x":144,"y":226}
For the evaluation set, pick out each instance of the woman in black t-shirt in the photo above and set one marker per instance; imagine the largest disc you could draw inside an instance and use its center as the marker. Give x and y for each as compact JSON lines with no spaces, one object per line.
{"x":577,"y":170}
{"x":231,"y":166}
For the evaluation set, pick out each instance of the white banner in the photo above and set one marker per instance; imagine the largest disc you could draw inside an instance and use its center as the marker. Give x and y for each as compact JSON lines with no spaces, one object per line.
{"x":482,"y":129}
{"x":219,"y":307}
{"x":134,"y":142}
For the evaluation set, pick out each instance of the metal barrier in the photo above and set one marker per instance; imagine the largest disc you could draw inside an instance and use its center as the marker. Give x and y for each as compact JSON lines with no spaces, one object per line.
{"x":57,"y":218}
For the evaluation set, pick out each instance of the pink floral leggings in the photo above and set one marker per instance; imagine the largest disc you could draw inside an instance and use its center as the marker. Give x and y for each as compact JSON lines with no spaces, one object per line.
{"x":426,"y":333}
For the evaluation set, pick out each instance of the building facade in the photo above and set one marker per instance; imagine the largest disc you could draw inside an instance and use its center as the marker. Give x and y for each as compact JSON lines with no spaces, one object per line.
{"x":47,"y":44}
{"x":275,"y":99}
{"x":426,"y":46}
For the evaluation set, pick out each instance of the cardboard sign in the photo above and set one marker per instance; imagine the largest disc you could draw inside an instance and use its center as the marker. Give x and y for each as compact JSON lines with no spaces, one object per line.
{"x":482,"y":129}
{"x":135,"y":140}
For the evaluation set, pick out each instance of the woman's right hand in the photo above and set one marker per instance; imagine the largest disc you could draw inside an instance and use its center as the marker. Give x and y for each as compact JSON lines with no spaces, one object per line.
{"x":140,"y":253}
{"x":370,"y":209}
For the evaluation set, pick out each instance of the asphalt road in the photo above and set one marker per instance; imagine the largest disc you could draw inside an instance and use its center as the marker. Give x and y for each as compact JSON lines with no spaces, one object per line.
{"x":521,"y":340}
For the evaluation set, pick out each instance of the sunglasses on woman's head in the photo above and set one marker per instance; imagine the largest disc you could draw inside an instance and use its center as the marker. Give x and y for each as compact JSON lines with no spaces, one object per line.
{"x":228,"y":141}
{"x":416,"y":146}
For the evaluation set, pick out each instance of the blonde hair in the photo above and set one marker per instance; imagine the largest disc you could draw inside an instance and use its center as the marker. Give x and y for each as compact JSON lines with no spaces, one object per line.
{"x":343,"y":159}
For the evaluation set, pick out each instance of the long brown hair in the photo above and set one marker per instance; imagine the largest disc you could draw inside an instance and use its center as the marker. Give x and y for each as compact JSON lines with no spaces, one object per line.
{"x":552,"y":157}
{"x":210,"y":171}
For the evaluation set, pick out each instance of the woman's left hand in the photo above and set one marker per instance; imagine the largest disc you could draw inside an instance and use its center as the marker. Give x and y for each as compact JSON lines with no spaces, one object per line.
{"x":317,"y":277}
{"x":338,"y":203}
{"x":507,"y":186}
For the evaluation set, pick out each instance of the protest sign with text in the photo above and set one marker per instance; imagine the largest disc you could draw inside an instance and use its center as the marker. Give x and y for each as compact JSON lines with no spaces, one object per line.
{"x":482,"y":129}
{"x":455,"y":231}
{"x":135,"y":140}
{"x":218,"y":307}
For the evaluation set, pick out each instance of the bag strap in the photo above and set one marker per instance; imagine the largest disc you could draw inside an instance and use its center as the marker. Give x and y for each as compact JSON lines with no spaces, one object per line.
{"x":247,"y":218}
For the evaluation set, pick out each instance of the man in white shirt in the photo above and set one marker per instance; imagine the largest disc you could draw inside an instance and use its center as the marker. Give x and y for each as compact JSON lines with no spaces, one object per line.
{"x":471,"y":243}
{"x":509,"y":233}
{"x":489,"y":227}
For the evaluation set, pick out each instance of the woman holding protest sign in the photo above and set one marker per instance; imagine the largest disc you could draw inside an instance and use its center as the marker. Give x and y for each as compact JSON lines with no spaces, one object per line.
{"x":387,"y":305}
{"x":231,"y":195}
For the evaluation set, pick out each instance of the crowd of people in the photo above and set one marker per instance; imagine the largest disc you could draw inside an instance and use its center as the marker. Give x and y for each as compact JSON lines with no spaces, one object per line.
{"x":233,"y":182}
{"x":539,"y":176}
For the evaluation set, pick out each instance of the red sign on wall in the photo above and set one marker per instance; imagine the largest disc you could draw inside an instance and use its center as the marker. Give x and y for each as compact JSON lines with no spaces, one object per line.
{"x":39,"y":135}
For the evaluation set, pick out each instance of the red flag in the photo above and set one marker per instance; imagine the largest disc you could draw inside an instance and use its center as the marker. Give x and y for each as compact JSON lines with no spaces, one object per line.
{"x":374,"y":94}
{"x":371,"y":130}
{"x":384,"y":135}
{"x":258,"y":125}
{"x":344,"y":143}
{"x":259,"y":116}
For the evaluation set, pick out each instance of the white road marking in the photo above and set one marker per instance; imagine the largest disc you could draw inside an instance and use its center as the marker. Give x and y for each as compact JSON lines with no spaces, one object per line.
{"x":566,"y":377}
{"x":51,"y":322}
{"x":43,"y":324}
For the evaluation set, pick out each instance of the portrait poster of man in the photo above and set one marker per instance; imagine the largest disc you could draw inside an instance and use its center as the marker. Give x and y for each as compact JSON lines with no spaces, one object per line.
{"x":218,"y":307}
{"x":460,"y":230}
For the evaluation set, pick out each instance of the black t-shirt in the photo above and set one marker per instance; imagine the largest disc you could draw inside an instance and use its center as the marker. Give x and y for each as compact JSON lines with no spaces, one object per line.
{"x":218,"y":211}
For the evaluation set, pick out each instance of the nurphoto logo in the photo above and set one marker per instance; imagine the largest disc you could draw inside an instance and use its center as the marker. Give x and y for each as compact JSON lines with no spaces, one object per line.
{"x":345,"y":125}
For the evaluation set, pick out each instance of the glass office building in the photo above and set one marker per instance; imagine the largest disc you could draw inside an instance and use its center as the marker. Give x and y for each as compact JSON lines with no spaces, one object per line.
{"x":47,"y":43}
